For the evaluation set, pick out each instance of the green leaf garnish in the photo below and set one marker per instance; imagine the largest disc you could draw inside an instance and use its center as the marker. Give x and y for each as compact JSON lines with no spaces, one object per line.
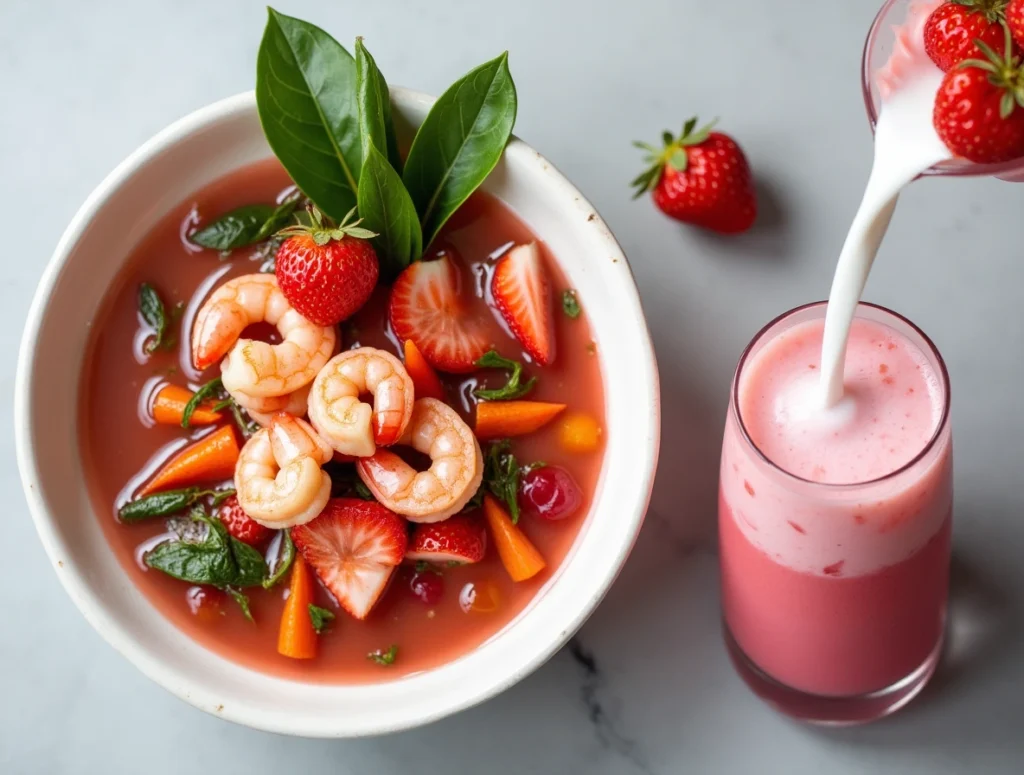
{"x":501,"y":476}
{"x":382,"y":657}
{"x":282,"y":216}
{"x":307,"y":100}
{"x":512,"y":389}
{"x":151,"y":308}
{"x":243,"y":603}
{"x":460,"y":142}
{"x":570,"y":304}
{"x":387,"y":209}
{"x":217,"y":559}
{"x":285,"y":558}
{"x":236,"y":229}
{"x":160,"y":504}
{"x":211,"y":389}
{"x":375,"y":125}
{"x":320,"y":617}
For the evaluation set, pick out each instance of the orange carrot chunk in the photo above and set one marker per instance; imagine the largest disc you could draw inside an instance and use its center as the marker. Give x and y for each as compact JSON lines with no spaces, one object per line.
{"x":424,"y":379}
{"x":501,"y":419}
{"x":520,"y":558}
{"x":297,"y":638}
{"x":579,"y":433}
{"x":210,"y":459}
{"x":169,"y":407}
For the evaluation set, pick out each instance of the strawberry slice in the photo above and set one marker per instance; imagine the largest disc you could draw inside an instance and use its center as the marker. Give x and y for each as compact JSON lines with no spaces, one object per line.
{"x":522,"y":294}
{"x":353,"y":546}
{"x":461,"y":539}
{"x":426,"y":307}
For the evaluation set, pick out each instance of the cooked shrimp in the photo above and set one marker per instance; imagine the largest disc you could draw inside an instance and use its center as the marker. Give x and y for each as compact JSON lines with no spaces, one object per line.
{"x":257,"y":368}
{"x":262,"y":410}
{"x":278,"y":475}
{"x":349,"y":425}
{"x":454,"y":476}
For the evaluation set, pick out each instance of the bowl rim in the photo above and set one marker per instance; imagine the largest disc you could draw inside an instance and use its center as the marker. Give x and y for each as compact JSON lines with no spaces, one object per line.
{"x":647,"y":415}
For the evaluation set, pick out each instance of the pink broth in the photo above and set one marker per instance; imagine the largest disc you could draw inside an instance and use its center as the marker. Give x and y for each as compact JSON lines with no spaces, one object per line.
{"x":121,"y":447}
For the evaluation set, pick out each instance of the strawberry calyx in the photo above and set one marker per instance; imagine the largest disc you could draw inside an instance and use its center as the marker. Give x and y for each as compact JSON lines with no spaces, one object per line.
{"x":322,"y":229}
{"x":672,"y":153}
{"x":992,"y":10}
{"x":1004,"y":72}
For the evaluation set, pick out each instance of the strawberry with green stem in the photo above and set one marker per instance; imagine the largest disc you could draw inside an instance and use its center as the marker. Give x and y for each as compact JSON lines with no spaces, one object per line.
{"x":951,"y":30}
{"x":702,"y":178}
{"x":979,"y":109}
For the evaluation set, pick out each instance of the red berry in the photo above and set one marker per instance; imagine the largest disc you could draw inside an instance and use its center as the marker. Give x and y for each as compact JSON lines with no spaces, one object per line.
{"x":327,"y":273}
{"x":428,"y":307}
{"x":205,"y":603}
{"x":952,"y":28}
{"x":522,"y":294}
{"x":241,"y":525}
{"x":551,"y":492}
{"x":461,"y":539}
{"x":979,"y":109}
{"x":1015,"y":20}
{"x":701,"y":178}
{"x":427,"y":586}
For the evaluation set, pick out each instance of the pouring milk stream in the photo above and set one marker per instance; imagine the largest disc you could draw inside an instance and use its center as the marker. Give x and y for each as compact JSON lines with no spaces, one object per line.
{"x":906,"y":144}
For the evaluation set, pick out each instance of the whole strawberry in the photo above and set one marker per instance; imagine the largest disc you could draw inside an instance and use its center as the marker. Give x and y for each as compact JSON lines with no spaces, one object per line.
{"x":326,"y":272}
{"x":241,"y":525}
{"x":701,"y":178}
{"x":979,"y":109}
{"x":1015,"y":20}
{"x":952,"y":29}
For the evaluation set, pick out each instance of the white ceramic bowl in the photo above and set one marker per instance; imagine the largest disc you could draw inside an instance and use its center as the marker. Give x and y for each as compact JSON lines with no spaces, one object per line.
{"x":166,"y":170}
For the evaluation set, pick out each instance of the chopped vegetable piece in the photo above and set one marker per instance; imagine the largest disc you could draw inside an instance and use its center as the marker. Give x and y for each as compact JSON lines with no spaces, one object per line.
{"x":212,"y":458}
{"x":382,"y":657}
{"x":520,"y":558}
{"x":320,"y":617}
{"x":570,"y":304}
{"x":500,"y":419}
{"x":211,"y":389}
{"x":579,"y":432}
{"x":297,"y":637}
{"x":424,"y":379}
{"x":169,"y":407}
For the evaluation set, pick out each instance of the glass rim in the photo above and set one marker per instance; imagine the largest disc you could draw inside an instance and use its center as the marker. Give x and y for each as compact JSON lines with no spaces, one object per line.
{"x":940,"y":427}
{"x":961,"y":167}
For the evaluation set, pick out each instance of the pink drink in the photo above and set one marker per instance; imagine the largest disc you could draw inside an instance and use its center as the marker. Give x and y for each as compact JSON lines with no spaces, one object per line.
{"x":835,"y":524}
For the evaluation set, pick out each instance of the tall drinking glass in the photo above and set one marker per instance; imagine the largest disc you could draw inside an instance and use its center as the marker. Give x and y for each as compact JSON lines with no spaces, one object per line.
{"x":835,"y":540}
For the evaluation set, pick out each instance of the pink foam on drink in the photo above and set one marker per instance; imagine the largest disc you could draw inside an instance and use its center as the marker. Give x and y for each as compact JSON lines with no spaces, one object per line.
{"x":890,"y":408}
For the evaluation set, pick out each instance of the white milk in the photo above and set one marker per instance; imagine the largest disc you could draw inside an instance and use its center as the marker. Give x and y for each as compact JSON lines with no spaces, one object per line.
{"x":906,"y":144}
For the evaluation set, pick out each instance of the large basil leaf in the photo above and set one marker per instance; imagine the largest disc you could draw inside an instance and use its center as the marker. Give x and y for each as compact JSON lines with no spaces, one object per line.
{"x":460,"y":142}
{"x":235,"y":229}
{"x":217,"y":558}
{"x":387,"y":209}
{"x":252,"y":568}
{"x":306,"y":97}
{"x":375,"y":125}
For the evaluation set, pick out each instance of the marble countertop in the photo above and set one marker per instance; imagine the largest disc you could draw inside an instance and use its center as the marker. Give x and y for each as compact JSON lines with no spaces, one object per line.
{"x":646,"y":686}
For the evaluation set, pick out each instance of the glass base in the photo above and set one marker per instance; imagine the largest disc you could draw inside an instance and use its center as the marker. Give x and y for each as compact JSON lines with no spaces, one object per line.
{"x":831,"y":711}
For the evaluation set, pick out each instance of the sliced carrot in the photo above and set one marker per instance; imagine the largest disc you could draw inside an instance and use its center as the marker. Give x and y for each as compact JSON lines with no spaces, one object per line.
{"x":520,"y":558}
{"x":424,"y":378}
{"x":297,"y":638}
{"x":169,"y":407}
{"x":501,"y":419}
{"x":579,"y":432}
{"x":210,"y":459}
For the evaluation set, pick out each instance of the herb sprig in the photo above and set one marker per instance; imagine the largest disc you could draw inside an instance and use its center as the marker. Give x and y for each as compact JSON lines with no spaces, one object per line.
{"x":513,"y":388}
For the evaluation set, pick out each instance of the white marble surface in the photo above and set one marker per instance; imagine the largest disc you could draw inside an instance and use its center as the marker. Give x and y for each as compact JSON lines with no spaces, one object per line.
{"x":646,"y":686}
